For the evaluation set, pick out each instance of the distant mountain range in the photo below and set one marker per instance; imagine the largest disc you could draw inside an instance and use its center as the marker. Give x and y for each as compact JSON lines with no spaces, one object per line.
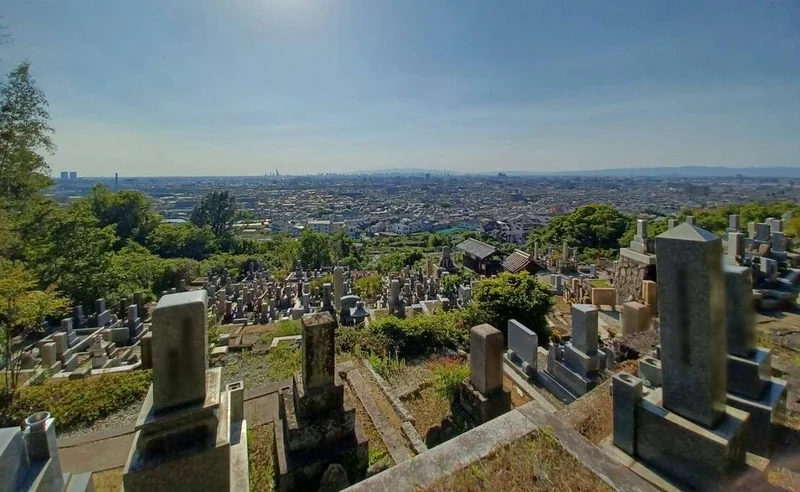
{"x":642,"y":172}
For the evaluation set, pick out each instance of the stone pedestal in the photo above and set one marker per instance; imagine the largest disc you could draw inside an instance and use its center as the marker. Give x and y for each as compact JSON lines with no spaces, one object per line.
{"x":317,"y":424}
{"x":482,"y":394}
{"x":185,"y":433}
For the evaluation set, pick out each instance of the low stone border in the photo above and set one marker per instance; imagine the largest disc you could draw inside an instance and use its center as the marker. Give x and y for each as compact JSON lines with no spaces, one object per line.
{"x":389,"y":435}
{"x":406,"y":418}
{"x":449,"y":457}
{"x":402,"y":411}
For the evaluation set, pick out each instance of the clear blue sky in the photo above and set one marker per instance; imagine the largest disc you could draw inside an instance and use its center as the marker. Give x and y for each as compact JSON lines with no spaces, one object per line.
{"x":214,"y":87}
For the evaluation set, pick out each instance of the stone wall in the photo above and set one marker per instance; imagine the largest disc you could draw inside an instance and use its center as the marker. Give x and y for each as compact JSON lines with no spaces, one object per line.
{"x":628,"y":279}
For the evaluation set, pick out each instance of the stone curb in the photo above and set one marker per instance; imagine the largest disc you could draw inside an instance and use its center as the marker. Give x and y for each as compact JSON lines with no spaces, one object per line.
{"x":402,"y":411}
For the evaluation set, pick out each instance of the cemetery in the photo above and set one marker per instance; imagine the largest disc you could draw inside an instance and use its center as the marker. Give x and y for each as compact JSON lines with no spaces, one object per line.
{"x":300,"y":382}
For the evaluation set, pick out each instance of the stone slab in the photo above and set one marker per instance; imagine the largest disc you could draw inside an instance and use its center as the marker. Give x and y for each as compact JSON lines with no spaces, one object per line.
{"x":445,"y":459}
{"x":180,"y":350}
{"x":644,"y":258}
{"x":762,"y":413}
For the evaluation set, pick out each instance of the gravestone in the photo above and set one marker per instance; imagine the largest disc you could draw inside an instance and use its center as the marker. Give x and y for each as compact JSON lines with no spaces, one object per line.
{"x":186,"y":438}
{"x":751,"y":387}
{"x":685,"y":429}
{"x":735,"y":248}
{"x":482,"y":394}
{"x":317,"y":424}
{"x":67,"y":327}
{"x":338,"y":286}
{"x":523,"y":345}
{"x":575,"y":368}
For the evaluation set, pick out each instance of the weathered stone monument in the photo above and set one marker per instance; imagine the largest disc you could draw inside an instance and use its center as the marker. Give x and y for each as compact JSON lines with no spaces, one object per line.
{"x":577,"y":366}
{"x":186,"y":438}
{"x":751,"y":386}
{"x":317,"y":426}
{"x":636,"y":318}
{"x":482,"y":393}
{"x":338,"y":286}
{"x":684,"y":429}
{"x":523,"y":346}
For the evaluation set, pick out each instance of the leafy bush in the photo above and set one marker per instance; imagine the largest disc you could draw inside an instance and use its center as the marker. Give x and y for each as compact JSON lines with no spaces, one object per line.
{"x":448,"y":374}
{"x":511,"y":296}
{"x":351,"y":338}
{"x":423,"y":334}
{"x":385,"y":365}
{"x":80,"y":401}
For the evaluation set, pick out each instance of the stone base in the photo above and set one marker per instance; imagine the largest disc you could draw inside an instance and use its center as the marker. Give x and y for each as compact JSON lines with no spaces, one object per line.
{"x":750,"y":376}
{"x":481,"y":407}
{"x":762,"y":411}
{"x":303,"y":470}
{"x":576,"y":384}
{"x":523,"y":368}
{"x":207,"y":469}
{"x":316,"y":430}
{"x":183,"y":449}
{"x":692,"y":454}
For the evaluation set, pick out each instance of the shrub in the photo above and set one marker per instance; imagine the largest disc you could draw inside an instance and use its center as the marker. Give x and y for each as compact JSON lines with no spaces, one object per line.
{"x":80,"y":401}
{"x":385,"y":365}
{"x":421,"y":335}
{"x":448,"y":374}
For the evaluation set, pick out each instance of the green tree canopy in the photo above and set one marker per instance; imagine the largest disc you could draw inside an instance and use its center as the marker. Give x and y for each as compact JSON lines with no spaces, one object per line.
{"x":24,"y":136}
{"x":597,"y":226}
{"x":130,"y":212}
{"x":512,"y":296}
{"x":216,"y":210}
{"x":314,"y":250}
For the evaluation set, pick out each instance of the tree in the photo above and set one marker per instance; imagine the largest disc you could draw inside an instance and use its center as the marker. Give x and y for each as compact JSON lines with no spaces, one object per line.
{"x":75,"y":254}
{"x":24,"y":136}
{"x":512,"y":296}
{"x":313,"y":250}
{"x":130,"y":212}
{"x":23,"y":309}
{"x":216,"y":210}
{"x":597,"y":226}
{"x":183,"y":241}
{"x":369,"y":287}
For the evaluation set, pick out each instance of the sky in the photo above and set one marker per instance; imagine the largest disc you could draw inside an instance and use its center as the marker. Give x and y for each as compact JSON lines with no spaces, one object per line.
{"x":244,"y":87}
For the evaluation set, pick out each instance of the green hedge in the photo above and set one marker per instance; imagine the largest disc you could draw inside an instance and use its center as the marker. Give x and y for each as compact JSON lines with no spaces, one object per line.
{"x":80,"y":401}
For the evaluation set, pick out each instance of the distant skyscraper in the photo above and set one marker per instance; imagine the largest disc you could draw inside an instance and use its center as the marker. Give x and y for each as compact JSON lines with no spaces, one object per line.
{"x":116,"y":181}
{"x":64,"y":175}
{"x":73,"y":175}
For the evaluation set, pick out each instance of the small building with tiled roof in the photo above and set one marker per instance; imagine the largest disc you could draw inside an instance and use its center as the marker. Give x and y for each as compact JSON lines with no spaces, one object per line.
{"x":519,"y":261}
{"x":479,"y":257}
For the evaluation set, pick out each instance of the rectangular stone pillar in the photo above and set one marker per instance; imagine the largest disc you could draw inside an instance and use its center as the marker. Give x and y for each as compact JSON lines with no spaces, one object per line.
{"x":691,"y":305}
{"x":318,"y":358}
{"x":180,"y":349}
{"x":486,"y":358}
{"x":584,"y":328}
{"x":740,"y":315}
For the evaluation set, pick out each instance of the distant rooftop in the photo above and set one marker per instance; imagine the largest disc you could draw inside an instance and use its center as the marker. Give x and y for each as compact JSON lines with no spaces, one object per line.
{"x":476,"y":248}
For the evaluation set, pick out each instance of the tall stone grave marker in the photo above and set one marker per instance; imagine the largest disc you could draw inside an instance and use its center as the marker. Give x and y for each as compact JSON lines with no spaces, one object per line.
{"x":482,"y":393}
{"x":317,"y":425}
{"x":684,"y":428}
{"x":185,"y":435}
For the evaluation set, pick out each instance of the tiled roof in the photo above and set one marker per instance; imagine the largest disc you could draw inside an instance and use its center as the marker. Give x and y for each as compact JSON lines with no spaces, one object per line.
{"x":517,"y":261}
{"x":477,"y":248}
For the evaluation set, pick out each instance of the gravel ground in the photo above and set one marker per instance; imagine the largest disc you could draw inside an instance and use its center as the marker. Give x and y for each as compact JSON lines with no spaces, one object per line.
{"x":122,"y":417}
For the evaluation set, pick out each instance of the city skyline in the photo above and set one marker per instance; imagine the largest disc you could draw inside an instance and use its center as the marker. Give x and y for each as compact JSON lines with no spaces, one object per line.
{"x":242,"y":88}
